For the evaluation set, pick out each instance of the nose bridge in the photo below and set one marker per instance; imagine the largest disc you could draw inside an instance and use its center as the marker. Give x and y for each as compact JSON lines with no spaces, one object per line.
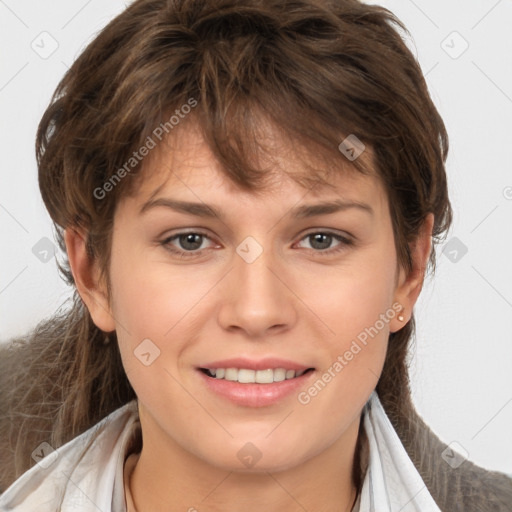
{"x":258,"y":299}
{"x":253,"y":267}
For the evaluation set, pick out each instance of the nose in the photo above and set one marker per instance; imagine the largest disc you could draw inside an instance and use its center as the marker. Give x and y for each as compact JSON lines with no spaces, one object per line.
{"x":256,"y":297}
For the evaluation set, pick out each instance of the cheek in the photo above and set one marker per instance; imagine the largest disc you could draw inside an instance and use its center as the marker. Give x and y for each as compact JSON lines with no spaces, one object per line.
{"x":143,"y":307}
{"x":351,"y":297}
{"x":156,"y":308}
{"x":355,"y":356}
{"x":150,"y":297}
{"x":354,"y":303}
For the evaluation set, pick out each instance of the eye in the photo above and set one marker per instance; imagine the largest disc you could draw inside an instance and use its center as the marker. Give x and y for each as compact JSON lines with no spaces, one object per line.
{"x":320,"y":241}
{"x":190,"y":242}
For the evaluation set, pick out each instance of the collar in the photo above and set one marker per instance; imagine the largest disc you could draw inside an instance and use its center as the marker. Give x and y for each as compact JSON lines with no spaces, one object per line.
{"x":63,"y":480}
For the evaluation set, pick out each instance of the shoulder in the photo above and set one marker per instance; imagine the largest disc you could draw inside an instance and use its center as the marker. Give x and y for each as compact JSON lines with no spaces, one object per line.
{"x":455,"y":483}
{"x":85,"y":466}
{"x":469,"y":487}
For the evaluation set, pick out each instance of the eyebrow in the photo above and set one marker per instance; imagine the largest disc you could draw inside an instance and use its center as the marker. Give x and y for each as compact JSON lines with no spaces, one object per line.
{"x":300,"y":212}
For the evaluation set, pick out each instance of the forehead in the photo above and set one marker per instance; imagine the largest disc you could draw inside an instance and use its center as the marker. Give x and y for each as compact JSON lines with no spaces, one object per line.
{"x":184,"y":163}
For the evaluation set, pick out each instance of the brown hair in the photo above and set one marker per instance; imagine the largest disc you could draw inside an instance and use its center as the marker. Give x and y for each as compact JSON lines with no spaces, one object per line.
{"x":319,"y":70}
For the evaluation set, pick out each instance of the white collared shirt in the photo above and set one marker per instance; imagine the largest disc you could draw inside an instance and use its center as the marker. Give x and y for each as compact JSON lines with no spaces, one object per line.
{"x":86,"y":474}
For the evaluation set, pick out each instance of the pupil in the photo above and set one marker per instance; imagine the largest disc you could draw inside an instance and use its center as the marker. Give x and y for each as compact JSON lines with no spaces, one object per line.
{"x":317,"y":238}
{"x":191,"y":238}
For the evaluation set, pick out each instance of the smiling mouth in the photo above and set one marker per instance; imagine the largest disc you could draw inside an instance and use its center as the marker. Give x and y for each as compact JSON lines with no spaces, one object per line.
{"x":247,"y":376}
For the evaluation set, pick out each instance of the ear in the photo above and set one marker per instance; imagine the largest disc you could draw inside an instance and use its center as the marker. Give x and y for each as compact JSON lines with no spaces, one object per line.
{"x":86,"y":274}
{"x":409,"y":286}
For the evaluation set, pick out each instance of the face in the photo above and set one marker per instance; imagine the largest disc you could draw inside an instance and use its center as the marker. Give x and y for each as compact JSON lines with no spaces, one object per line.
{"x":258,"y":287}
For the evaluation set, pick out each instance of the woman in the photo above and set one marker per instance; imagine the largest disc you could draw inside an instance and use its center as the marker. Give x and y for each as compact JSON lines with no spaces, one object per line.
{"x":295,"y":146}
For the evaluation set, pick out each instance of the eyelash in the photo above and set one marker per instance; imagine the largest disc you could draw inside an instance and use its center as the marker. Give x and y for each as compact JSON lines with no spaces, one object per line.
{"x":190,"y":254}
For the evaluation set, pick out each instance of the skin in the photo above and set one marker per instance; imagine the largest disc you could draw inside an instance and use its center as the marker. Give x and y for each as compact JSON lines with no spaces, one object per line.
{"x":294,"y":301}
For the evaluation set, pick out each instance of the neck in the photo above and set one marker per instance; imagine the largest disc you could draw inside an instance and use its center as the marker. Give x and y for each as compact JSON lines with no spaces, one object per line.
{"x":168,"y":477}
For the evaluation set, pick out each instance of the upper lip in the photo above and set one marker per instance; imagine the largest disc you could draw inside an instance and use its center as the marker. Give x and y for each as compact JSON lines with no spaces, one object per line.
{"x":253,"y":364}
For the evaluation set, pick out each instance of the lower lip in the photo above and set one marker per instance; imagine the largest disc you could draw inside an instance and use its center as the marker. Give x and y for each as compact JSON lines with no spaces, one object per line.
{"x":255,"y":395}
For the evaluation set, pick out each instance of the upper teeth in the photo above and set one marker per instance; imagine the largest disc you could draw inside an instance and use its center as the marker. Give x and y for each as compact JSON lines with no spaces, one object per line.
{"x":246,"y":376}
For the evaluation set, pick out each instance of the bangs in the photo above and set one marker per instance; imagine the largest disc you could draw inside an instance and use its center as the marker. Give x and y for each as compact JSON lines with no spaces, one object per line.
{"x":253,"y":145}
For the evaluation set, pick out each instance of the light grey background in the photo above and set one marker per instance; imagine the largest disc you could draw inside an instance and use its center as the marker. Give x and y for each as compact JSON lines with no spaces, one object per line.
{"x":461,"y":368}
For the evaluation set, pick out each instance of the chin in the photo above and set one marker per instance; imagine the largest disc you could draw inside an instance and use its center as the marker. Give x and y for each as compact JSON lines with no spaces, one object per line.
{"x":249,"y":459}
